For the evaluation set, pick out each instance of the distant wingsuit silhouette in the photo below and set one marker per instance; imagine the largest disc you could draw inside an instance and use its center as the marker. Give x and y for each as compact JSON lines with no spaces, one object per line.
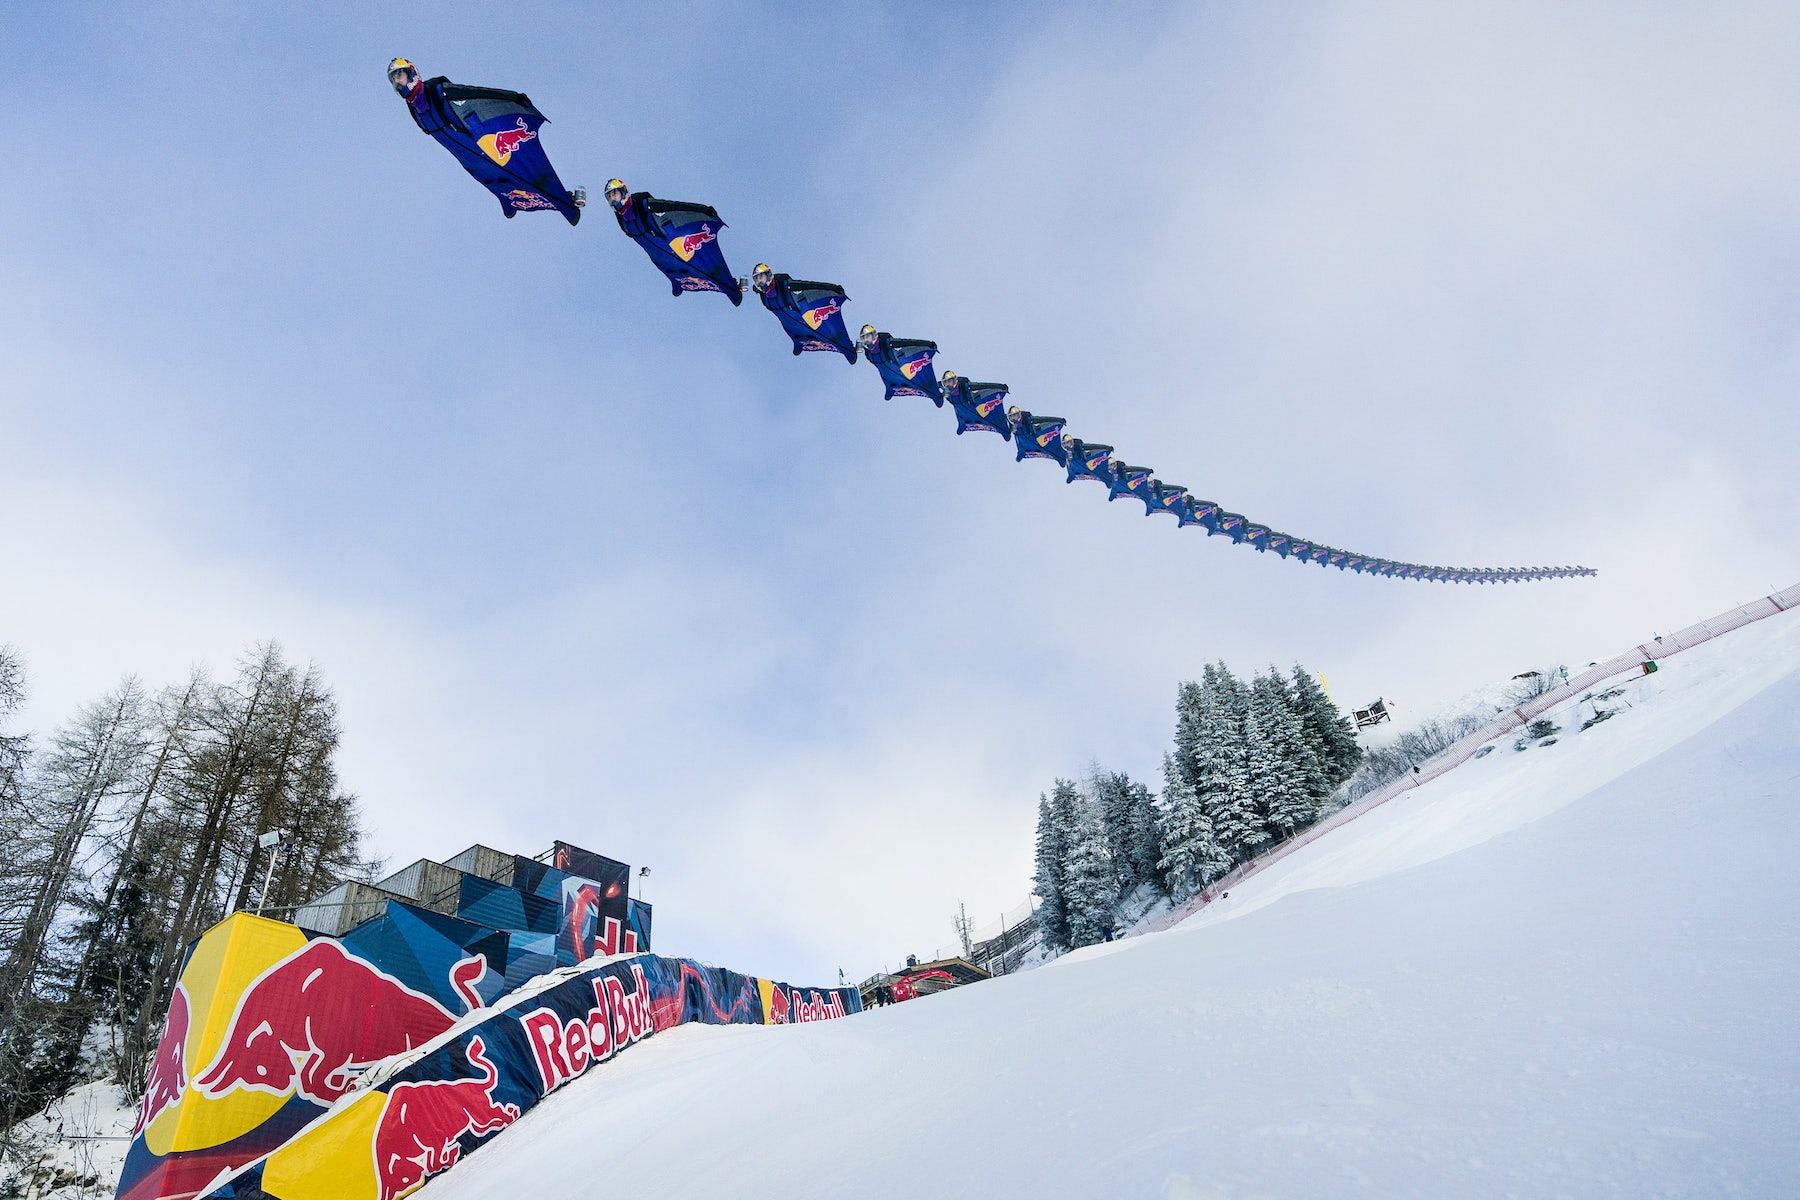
{"x":494,"y":135}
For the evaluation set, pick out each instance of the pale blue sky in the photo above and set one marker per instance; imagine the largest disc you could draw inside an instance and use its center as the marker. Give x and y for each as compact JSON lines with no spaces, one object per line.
{"x":1482,"y":285}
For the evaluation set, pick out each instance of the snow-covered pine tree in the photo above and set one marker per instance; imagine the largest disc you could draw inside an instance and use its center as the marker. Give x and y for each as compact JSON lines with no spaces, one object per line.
{"x":1089,"y":886}
{"x":1107,"y":790}
{"x":1146,"y":838}
{"x":1332,"y":735}
{"x":1296,"y":744}
{"x":1281,"y":761}
{"x":1191,"y":700}
{"x":1191,"y":856}
{"x":1229,"y":794}
{"x":1052,"y":850}
{"x":1131,"y":836}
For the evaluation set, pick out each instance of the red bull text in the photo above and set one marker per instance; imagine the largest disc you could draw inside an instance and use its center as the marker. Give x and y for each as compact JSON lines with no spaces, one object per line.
{"x":799,"y":1007}
{"x":615,"y":1020}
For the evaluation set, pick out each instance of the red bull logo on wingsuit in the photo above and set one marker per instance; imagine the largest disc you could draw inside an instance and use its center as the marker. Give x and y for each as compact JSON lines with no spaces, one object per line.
{"x":423,"y":1119}
{"x":525,"y":201}
{"x":912,"y":366}
{"x":309,"y":1020}
{"x":168,"y":1070}
{"x":500,"y":146}
{"x":615,"y":1019}
{"x":686,"y":247}
{"x":815,"y":317}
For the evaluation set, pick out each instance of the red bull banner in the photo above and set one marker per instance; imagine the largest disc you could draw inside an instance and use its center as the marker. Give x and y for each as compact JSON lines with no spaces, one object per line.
{"x":432,"y":1108}
{"x":785,"y":1004}
{"x":266,"y":1030}
{"x":278,"y":1062}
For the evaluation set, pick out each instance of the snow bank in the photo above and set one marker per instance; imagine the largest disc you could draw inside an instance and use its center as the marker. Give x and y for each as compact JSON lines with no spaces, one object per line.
{"x":1563,"y":971}
{"x":73,"y":1150}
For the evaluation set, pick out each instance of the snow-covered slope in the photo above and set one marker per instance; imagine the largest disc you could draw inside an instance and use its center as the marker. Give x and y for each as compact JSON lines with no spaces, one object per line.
{"x":1568,"y":970}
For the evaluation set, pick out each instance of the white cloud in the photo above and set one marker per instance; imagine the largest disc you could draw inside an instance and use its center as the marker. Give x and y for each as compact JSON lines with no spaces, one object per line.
{"x":1475,"y":284}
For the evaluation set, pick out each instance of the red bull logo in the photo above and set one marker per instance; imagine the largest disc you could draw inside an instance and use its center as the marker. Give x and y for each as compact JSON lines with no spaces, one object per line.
{"x":988,"y":408}
{"x":616,"y":1019}
{"x":689,"y":245}
{"x":168,"y":1070}
{"x":525,"y":201}
{"x":785,"y":1009}
{"x":912,"y":366}
{"x":308,"y":1022}
{"x":423,"y":1120}
{"x":500,"y":146}
{"x":1099,"y":462}
{"x":1047,"y":439}
{"x":815,"y":317}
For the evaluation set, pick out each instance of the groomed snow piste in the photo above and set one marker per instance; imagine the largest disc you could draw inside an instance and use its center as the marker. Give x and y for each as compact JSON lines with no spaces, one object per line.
{"x":1570,"y":970}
